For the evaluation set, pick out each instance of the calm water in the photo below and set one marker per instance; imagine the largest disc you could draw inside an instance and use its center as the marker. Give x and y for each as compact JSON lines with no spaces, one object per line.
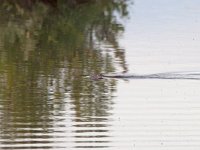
{"x":47,"y":53}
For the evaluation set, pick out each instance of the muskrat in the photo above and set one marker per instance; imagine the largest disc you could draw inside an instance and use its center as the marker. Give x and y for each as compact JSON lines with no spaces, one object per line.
{"x":96,"y":76}
{"x":101,"y":76}
{"x":165,"y":75}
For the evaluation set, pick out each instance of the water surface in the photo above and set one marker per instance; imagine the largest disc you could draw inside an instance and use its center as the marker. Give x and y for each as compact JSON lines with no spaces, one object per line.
{"x":47,"y":52}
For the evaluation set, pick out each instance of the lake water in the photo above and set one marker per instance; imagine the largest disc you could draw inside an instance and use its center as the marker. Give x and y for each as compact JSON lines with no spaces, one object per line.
{"x":48,"y":100}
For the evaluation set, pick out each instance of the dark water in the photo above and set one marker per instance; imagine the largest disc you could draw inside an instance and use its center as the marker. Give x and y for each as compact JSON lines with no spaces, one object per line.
{"x":48,"y":50}
{"x":45,"y":50}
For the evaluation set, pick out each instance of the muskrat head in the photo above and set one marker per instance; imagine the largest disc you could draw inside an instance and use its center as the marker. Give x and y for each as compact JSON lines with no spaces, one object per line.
{"x":96,"y":76}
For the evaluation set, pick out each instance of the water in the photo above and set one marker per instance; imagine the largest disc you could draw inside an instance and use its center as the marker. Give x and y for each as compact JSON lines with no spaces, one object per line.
{"x":47,"y":100}
{"x":164,"y":75}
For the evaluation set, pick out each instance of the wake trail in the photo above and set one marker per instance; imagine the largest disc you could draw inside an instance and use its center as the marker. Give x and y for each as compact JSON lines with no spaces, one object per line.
{"x":195,"y":75}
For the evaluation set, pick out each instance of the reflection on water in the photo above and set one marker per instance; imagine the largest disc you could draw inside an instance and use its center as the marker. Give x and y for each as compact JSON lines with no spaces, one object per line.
{"x":48,"y":50}
{"x":45,"y":50}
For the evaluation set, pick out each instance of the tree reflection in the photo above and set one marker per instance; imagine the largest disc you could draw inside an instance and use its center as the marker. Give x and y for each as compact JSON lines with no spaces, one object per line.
{"x":45,"y":51}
